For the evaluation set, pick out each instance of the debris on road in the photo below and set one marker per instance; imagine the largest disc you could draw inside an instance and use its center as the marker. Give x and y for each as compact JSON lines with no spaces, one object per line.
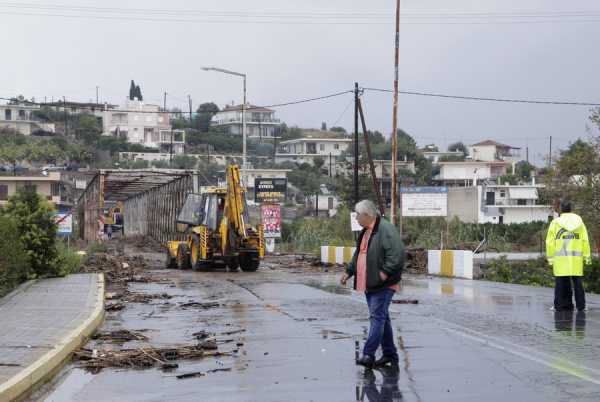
{"x":142,"y":358}
{"x":199,"y":305}
{"x":405,"y":301}
{"x":114,"y":307}
{"x":236,"y":331}
{"x":119,"y":336}
{"x":201,"y":334}
{"x":200,"y":373}
{"x":118,"y":270}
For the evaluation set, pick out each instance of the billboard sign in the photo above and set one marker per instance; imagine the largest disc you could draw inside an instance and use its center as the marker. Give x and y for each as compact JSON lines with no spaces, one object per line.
{"x":271,"y":220}
{"x":270,"y":190}
{"x":424,"y":201}
{"x":65,"y":224}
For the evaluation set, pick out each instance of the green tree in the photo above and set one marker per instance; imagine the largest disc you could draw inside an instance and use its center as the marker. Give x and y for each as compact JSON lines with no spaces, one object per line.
{"x":575,"y":176}
{"x":132,"y":90}
{"x":88,"y":129}
{"x":337,"y":129}
{"x":13,"y":261}
{"x":205,"y":113}
{"x":35,"y":225}
{"x":184,"y":162}
{"x":458,"y":147}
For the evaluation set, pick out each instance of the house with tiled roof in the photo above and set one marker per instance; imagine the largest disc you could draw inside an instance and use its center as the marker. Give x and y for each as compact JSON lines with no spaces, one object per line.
{"x":490,"y":151}
{"x":260,"y":121}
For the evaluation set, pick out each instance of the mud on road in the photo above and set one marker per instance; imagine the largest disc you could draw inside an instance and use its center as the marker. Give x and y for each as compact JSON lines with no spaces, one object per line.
{"x":288,"y":332}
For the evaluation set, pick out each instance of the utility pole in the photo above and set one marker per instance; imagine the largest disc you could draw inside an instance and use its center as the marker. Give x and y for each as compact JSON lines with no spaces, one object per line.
{"x":395,"y":120}
{"x":66,"y":117}
{"x":330,"y":164}
{"x":356,"y":143}
{"x":527,"y":154}
{"x":171,"y":150}
{"x":97,"y":88}
{"x":550,"y":154}
{"x":165,"y":102}
{"x":190,"y":103}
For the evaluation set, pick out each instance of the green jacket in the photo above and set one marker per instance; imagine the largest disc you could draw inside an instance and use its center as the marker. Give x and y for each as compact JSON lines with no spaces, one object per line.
{"x":567,"y":245}
{"x":385,"y":253}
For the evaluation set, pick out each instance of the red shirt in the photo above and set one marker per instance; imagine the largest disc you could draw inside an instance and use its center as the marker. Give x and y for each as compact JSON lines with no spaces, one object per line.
{"x":361,"y":263}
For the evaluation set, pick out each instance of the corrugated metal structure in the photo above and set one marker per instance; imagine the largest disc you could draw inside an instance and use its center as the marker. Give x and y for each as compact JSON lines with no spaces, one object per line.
{"x":152,"y":198}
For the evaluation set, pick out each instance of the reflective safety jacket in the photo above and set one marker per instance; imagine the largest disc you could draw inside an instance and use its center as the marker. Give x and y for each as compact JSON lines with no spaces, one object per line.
{"x":567,"y":245}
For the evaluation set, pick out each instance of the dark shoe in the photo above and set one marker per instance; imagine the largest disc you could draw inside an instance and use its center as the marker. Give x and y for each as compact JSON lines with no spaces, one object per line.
{"x":366,"y":361}
{"x":385,"y":360}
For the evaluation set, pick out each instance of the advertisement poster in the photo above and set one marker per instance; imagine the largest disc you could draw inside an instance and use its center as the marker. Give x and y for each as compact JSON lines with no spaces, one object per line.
{"x":65,"y":224}
{"x":269,"y":190}
{"x":424,"y":201}
{"x":271,"y":220}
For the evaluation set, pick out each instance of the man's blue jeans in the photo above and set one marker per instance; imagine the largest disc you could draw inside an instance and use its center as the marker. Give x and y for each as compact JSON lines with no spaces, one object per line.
{"x":380,"y":332}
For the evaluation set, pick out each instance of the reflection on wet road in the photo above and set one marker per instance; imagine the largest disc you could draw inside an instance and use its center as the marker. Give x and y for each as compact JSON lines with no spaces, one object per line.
{"x":464,"y":341}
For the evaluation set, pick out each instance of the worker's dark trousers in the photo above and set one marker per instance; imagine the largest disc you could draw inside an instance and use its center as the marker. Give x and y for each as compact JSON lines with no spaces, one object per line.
{"x":380,"y":331}
{"x":563,"y":293}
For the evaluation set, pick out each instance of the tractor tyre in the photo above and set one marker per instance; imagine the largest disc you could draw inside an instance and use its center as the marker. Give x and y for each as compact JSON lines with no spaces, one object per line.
{"x":170,"y":261}
{"x":249,"y":262}
{"x":183,"y":256}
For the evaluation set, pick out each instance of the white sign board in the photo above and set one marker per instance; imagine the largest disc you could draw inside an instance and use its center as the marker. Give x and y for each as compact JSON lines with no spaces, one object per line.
{"x":65,"y":223}
{"x":354,"y":223}
{"x":425,"y":201}
{"x":80,"y":184}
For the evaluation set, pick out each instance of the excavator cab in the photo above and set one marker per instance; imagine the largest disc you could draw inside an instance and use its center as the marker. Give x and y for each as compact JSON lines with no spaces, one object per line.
{"x":217,"y":230}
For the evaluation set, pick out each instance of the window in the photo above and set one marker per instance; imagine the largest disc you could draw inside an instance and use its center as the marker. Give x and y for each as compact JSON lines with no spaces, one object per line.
{"x":321,"y":147}
{"x":7,"y":114}
{"x":490,"y":198}
{"x":55,"y":189}
{"x":521,"y":202}
{"x":502,"y":193}
{"x":336,"y":146}
{"x":3,"y":192}
{"x":330,"y":203}
{"x":21,"y":115}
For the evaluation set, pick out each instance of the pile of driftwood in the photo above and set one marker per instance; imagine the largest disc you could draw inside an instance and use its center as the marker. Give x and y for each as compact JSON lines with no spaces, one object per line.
{"x":119,"y":336}
{"x":144,"y":358}
{"x":118,"y":270}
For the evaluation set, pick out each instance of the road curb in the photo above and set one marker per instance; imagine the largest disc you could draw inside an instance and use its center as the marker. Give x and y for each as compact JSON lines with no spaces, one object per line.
{"x":42,"y":370}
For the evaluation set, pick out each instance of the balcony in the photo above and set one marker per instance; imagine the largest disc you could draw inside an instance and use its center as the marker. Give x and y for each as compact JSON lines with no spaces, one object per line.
{"x":249,"y":121}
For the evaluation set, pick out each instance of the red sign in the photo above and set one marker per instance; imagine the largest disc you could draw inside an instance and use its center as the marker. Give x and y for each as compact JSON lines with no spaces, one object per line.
{"x":271,"y":220}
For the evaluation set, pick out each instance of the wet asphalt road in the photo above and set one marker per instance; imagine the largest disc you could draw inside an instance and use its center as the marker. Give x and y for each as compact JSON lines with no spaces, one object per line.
{"x":464,"y":341}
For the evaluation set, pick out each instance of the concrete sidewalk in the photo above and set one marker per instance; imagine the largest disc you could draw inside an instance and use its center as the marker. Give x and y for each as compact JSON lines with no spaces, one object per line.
{"x":42,"y":322}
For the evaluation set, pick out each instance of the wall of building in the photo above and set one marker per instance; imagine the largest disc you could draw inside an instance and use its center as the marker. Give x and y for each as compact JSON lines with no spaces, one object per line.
{"x":463,"y":202}
{"x":526,"y":214}
{"x":483,"y":153}
{"x":464,"y":171}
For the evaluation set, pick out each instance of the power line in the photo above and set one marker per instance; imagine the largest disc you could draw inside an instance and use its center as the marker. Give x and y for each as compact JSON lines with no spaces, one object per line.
{"x":358,"y":18}
{"x":487,"y":99}
{"x":84,"y":107}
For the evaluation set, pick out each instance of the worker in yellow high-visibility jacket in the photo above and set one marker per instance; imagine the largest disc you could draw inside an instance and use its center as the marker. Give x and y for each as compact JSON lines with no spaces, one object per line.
{"x":567,"y":250}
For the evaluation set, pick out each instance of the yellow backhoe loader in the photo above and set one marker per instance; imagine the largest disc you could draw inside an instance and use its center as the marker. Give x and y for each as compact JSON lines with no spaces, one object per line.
{"x":217,"y":230}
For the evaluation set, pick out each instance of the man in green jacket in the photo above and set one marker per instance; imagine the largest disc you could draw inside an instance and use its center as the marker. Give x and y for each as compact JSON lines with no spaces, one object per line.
{"x":567,"y":249}
{"x":377,"y":269}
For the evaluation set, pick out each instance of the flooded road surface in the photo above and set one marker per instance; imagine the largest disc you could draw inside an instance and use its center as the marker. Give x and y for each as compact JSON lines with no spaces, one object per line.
{"x":294,"y":334}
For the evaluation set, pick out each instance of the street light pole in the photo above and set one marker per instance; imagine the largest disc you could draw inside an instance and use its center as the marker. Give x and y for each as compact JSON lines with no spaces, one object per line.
{"x":224,"y":71}
{"x":244,"y":166}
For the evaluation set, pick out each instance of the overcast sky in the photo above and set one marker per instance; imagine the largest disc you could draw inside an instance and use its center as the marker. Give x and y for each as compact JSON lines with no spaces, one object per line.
{"x":309,"y":48}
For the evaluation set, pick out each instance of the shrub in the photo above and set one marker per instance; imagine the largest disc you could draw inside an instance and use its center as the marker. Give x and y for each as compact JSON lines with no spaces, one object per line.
{"x":13,"y":261}
{"x":34,"y":219}
{"x":67,"y":259}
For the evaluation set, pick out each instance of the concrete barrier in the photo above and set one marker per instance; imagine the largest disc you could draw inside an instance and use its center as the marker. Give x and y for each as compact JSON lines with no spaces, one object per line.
{"x":450,"y":263}
{"x":336,"y":255}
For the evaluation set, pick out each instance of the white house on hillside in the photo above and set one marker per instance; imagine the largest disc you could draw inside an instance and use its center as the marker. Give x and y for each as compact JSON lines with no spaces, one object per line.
{"x":305,"y":150}
{"x":490,"y":151}
{"x":260,"y":121}
{"x":469,"y":173}
{"x":143,"y":124}
{"x":20,"y":116}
